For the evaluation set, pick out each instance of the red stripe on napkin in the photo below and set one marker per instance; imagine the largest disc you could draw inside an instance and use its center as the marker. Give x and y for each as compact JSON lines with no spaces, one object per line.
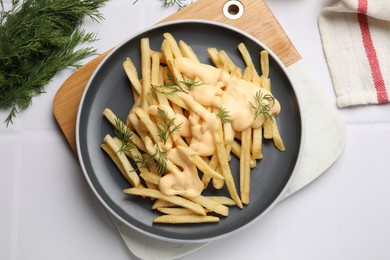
{"x":371,"y":53}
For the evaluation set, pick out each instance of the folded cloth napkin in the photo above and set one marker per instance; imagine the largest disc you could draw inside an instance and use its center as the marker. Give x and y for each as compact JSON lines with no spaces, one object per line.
{"x":356,"y":42}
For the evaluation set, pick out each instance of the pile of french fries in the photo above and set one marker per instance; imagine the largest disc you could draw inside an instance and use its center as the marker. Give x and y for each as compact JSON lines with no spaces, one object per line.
{"x":134,"y":153}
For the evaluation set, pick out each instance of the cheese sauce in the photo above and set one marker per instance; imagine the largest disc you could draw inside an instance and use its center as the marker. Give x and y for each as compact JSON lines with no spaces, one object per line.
{"x":218,"y":89}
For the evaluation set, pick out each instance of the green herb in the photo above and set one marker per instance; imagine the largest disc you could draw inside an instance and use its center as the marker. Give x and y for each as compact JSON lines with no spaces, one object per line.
{"x":190,"y":84}
{"x":263,"y":105}
{"x":166,"y":127}
{"x":161,"y":160}
{"x":171,"y":88}
{"x":223,"y":114}
{"x":170,"y":3}
{"x":167,"y":89}
{"x":37,"y":39}
{"x":143,"y":162}
{"x":124,"y":134}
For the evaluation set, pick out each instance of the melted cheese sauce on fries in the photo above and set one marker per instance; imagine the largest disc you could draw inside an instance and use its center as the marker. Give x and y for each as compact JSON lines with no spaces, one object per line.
{"x":188,"y":118}
{"x":217,"y":89}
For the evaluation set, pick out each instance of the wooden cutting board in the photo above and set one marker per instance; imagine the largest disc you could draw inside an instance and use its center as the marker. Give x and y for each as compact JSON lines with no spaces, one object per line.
{"x":257,"y":20}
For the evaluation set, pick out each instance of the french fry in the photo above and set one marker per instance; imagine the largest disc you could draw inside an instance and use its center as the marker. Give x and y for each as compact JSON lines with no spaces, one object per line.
{"x":228,"y":64}
{"x":162,"y":204}
{"x":228,"y":133}
{"x":160,"y":55}
{"x":150,"y":177}
{"x":129,"y":151}
{"x":236,"y":150}
{"x":115,"y":159}
{"x":168,"y":53}
{"x":155,"y":69}
{"x":157,"y":78}
{"x":139,"y":160}
{"x":191,"y":219}
{"x":266,"y":83}
{"x":245,"y":54}
{"x":145,"y":68}
{"x":132,"y":74}
{"x":115,"y":121}
{"x":264,"y":61}
{"x":225,"y":168}
{"x":257,"y":142}
{"x":248,"y":73}
{"x":218,"y":183}
{"x":206,"y":180}
{"x":129,"y":171}
{"x":204,"y":167}
{"x":213,"y":163}
{"x":161,"y":74}
{"x":187,"y":51}
{"x":222,"y":200}
{"x":132,"y":118}
{"x":246,"y":138}
{"x":268,"y":128}
{"x":213,"y":54}
{"x":249,"y":63}
{"x":176,"y":211}
{"x":152,"y":150}
{"x":276,"y":136}
{"x":210,"y":204}
{"x":175,"y":72}
{"x":237,"y":73}
{"x":173,"y":44}
{"x":148,"y":123}
{"x":185,"y":203}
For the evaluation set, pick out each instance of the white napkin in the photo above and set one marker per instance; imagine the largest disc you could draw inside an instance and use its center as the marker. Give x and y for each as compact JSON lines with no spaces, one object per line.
{"x":356,"y":41}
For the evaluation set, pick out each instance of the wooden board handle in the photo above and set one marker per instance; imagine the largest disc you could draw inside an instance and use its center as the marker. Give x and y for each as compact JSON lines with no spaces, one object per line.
{"x":257,"y":19}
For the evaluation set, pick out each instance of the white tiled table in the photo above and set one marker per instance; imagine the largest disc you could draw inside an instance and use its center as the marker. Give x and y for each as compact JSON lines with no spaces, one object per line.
{"x":49,"y":212}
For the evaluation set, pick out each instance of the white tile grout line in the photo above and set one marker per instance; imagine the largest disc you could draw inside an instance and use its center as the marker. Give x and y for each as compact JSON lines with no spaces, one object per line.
{"x":16,"y":196}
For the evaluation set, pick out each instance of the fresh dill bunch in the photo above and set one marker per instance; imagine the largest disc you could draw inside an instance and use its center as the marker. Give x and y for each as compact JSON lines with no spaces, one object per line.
{"x":37,"y":39}
{"x":166,"y":127}
{"x":124,"y":135}
{"x":223,"y":114}
{"x":263,"y":105}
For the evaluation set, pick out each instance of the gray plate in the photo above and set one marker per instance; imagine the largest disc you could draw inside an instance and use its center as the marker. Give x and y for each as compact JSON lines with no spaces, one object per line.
{"x":109,"y":87}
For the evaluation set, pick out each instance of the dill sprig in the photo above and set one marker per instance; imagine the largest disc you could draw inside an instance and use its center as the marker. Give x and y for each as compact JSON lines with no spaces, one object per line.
{"x":161,"y":159}
{"x":124,"y":134}
{"x":168,"y":88}
{"x":171,"y":88}
{"x":166,"y":127}
{"x":223,"y":114}
{"x":169,"y":3}
{"x":263,"y":105}
{"x":190,"y":83}
{"x":37,"y":39}
{"x":143,"y":161}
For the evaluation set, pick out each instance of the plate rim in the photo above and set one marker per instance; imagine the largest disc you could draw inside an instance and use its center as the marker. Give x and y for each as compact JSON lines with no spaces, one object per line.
{"x":213,"y":238}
